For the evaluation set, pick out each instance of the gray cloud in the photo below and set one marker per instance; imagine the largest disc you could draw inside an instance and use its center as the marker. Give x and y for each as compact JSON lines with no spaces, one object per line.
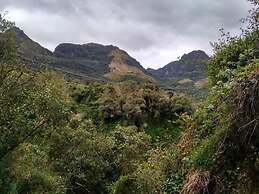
{"x":155,"y":32}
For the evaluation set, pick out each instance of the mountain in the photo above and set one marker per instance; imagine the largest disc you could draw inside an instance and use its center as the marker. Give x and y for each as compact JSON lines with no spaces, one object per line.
{"x":96,"y":62}
{"x":191,"y":66}
{"x":86,"y":62}
{"x":30,"y":52}
{"x":185,"y":75}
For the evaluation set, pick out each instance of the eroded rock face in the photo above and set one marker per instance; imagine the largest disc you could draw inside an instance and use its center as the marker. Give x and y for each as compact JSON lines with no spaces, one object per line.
{"x":123,"y":65}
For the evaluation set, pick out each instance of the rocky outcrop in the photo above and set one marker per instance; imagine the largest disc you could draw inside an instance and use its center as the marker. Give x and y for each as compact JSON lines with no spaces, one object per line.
{"x":190,"y":66}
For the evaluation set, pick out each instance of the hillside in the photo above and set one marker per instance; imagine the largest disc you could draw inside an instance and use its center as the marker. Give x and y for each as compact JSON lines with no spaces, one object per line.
{"x":96,"y":62}
{"x":191,"y":65}
{"x":186,"y":75}
{"x":86,"y":62}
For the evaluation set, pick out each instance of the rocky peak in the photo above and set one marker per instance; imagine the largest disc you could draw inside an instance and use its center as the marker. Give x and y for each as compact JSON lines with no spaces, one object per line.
{"x":195,"y":56}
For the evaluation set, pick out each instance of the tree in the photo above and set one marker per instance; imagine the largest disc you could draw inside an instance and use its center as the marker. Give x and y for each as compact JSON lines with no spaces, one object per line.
{"x":4,"y":24}
{"x":29,"y":105}
{"x":253,"y":18}
{"x":231,"y":52}
{"x":7,"y":42}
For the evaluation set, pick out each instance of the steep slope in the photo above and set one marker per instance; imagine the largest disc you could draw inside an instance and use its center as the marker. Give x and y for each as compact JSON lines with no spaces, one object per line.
{"x":89,"y":61}
{"x":26,"y":44}
{"x":98,"y":61}
{"x":30,"y":52}
{"x":86,"y":62}
{"x":191,"y":66}
{"x":185,"y":75}
{"x":119,"y":68}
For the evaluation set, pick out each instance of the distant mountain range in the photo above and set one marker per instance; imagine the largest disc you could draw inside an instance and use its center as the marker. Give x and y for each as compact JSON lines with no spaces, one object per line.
{"x":87,"y":61}
{"x":105,"y":63}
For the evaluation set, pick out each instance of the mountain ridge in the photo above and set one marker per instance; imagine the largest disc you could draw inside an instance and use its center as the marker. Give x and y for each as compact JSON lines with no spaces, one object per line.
{"x":191,"y":65}
{"x":97,"y":62}
{"x":89,"y":61}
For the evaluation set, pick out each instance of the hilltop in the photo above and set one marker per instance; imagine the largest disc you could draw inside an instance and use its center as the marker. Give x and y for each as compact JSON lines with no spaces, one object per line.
{"x":191,"y":65}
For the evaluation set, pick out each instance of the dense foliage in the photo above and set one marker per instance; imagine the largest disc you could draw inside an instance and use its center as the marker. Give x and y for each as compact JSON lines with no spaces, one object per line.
{"x":60,"y":136}
{"x":65,"y":137}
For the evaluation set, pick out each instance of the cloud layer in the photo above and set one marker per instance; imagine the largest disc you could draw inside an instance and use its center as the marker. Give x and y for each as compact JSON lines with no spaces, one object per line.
{"x":154,"y":32}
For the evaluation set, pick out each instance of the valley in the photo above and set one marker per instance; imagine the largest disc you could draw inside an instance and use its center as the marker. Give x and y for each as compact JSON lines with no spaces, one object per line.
{"x":90,"y":119}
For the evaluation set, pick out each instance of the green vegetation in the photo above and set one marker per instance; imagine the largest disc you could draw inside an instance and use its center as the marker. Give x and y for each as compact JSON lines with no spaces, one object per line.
{"x":60,"y":136}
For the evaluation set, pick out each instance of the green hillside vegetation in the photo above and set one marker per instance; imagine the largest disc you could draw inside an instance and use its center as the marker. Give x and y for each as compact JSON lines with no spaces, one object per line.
{"x":62,"y":136}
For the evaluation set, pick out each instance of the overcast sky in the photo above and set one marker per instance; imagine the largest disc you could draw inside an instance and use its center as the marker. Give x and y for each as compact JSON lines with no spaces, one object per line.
{"x":155,"y":32}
